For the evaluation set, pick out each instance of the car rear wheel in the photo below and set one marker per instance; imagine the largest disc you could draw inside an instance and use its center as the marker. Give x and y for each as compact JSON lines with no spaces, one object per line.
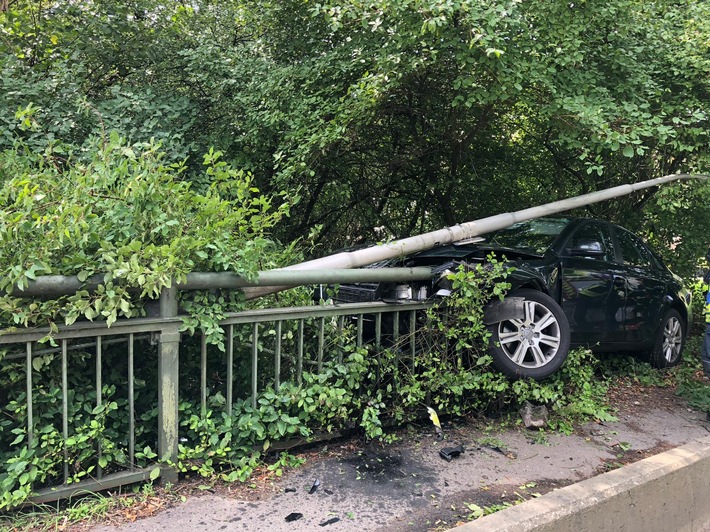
{"x":533,"y":344}
{"x":668,"y":349}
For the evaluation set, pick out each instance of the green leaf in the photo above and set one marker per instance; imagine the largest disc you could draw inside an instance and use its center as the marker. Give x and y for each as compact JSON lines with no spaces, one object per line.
{"x":476,"y":511}
{"x":154,"y":473}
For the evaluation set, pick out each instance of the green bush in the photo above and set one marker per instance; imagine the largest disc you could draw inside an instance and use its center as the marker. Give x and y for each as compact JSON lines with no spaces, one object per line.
{"x":119,"y":211}
{"x":128,"y":216}
{"x":357,"y":388}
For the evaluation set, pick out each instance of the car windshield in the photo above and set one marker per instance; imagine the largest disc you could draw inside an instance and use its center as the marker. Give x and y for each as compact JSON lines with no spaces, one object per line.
{"x":534,"y":236}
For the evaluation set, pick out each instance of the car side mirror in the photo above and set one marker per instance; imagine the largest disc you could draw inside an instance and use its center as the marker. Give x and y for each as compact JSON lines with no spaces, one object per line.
{"x":587,"y":248}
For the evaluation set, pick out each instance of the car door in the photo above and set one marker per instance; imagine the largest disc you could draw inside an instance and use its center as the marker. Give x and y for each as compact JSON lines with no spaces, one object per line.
{"x":644,"y":289}
{"x":590,"y":296}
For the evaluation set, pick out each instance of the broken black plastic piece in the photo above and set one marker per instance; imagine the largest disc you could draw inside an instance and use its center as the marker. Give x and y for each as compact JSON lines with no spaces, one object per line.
{"x":448,"y":453}
{"x":330,"y":521}
{"x":504,"y":452}
{"x":290,"y":490}
{"x":316,"y":483}
{"x":295,"y":516}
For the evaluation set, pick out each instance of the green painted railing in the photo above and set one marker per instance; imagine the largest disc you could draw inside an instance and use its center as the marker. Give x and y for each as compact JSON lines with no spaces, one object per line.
{"x":286,"y":360}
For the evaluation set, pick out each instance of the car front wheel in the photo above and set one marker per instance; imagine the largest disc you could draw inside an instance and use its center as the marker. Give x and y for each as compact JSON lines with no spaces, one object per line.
{"x":668,"y":349}
{"x":534,"y":343}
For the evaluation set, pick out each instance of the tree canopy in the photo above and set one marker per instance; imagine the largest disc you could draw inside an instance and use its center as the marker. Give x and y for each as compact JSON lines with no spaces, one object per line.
{"x":386,"y":117}
{"x":144,"y":139}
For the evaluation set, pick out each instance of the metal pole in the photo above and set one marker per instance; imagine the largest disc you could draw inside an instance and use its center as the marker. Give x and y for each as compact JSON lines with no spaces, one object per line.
{"x":28,"y":384}
{"x":168,"y":360}
{"x":203,"y":375}
{"x":131,"y":404}
{"x":65,"y":410}
{"x":407,"y":246}
{"x":288,"y":277}
{"x":343,"y":267}
{"x":57,"y":285}
{"x":277,"y":357}
{"x":230,"y":368}
{"x":99,"y":398}
{"x":254,"y":363}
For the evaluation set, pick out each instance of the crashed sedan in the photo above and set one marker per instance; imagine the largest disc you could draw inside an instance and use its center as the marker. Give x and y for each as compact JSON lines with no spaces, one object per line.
{"x":574,"y":282}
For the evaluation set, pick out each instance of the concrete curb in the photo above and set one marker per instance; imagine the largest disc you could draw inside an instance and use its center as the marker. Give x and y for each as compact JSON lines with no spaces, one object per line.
{"x":669,"y":491}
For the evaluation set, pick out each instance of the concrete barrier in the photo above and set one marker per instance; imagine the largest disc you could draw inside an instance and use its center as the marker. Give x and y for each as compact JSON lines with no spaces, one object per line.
{"x":666,"y":492}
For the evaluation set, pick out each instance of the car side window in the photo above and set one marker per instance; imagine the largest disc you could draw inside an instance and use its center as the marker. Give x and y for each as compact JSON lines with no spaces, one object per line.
{"x":590,"y":233}
{"x":633,"y":251}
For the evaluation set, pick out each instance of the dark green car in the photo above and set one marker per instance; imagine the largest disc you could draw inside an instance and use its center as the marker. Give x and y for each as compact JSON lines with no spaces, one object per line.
{"x":576,"y":282}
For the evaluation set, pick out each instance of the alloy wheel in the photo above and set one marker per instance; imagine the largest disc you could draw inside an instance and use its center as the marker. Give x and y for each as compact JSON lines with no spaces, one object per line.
{"x":532,"y":341}
{"x":672,"y":339}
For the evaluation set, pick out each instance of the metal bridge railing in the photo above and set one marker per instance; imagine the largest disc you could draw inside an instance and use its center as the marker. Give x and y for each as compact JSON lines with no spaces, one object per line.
{"x":263,"y":348}
{"x":84,"y":340}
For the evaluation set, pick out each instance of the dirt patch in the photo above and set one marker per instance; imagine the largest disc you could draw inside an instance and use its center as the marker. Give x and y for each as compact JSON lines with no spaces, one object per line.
{"x":628,"y":395}
{"x":626,"y":456}
{"x":465,"y":506}
{"x":378,"y":466}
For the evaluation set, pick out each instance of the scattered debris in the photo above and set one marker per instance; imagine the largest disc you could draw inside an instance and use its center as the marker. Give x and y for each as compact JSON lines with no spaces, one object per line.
{"x":448,"y":453}
{"x":534,"y":417}
{"x":295,"y":516}
{"x":435,"y":419}
{"x":316,"y":483}
{"x":502,"y":450}
{"x":290,"y":490}
{"x":624,"y":446}
{"x":330,"y":521}
{"x":142,"y":509}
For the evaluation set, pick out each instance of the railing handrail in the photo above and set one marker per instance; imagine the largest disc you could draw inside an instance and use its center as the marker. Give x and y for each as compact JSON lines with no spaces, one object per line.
{"x":145,"y":325}
{"x":59,"y":285}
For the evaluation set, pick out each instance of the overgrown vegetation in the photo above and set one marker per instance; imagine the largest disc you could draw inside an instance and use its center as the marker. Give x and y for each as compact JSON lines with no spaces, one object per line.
{"x":357,"y":388}
{"x":140,"y":501}
{"x":126,"y":214}
{"x":391,"y":118}
{"x":142,"y":141}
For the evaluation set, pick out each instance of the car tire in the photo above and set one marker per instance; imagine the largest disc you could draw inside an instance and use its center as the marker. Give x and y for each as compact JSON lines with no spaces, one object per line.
{"x":532,"y":346}
{"x":668,"y":348}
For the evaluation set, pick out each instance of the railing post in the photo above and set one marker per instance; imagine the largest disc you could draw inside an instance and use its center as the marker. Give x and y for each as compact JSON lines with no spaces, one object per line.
{"x":168,"y":360}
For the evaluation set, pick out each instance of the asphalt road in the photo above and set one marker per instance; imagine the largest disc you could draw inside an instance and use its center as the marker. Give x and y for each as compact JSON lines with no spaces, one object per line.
{"x":409,"y":486}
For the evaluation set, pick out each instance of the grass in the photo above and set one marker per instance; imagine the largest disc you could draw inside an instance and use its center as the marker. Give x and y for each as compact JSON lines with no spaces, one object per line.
{"x":88,"y":510}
